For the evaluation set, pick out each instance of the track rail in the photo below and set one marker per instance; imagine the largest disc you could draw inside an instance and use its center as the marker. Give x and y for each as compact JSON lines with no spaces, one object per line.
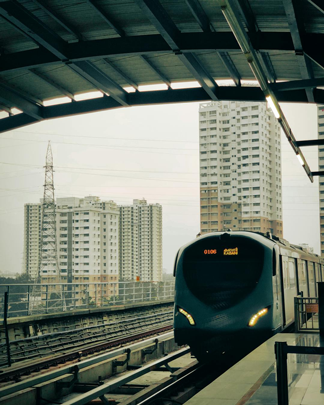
{"x":181,"y":385}
{"x":38,"y":365}
{"x":70,"y":369}
{"x":58,"y":342}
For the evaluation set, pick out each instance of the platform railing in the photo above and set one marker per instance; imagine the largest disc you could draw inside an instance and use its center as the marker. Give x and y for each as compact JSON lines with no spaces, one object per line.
{"x":281,"y":351}
{"x":306,"y":314}
{"x":38,"y":299}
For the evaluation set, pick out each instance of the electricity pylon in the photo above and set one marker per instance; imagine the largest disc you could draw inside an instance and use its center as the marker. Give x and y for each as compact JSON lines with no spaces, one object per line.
{"x":48,"y":263}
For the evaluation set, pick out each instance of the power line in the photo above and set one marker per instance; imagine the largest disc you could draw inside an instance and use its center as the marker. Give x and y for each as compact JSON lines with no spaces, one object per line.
{"x":102,"y":137}
{"x":133,"y":178}
{"x":98,"y":168}
{"x":119,"y":170}
{"x":115,"y":147}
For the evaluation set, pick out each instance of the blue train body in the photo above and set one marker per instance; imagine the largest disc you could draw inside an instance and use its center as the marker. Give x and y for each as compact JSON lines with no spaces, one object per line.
{"x":236,"y":289}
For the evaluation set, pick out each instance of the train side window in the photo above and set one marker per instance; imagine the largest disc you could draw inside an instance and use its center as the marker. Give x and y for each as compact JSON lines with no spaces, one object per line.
{"x":292,"y":272}
{"x":285,"y":273}
{"x":317,"y":276}
{"x":275,"y":287}
{"x":311,"y":279}
{"x":302,"y":281}
{"x":318,"y":273}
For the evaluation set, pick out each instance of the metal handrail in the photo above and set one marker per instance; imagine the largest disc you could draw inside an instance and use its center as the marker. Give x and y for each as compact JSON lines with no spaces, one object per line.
{"x":39,"y":299}
{"x":306,"y":314}
{"x":281,"y":351}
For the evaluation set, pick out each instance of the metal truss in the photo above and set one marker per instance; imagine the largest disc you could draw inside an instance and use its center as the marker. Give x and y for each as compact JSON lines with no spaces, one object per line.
{"x":81,"y":54}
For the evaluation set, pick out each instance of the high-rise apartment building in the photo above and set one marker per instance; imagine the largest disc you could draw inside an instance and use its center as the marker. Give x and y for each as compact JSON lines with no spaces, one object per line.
{"x":240,"y":168}
{"x":320,"y":123}
{"x":97,"y":241}
{"x":87,"y":240}
{"x":32,"y":239}
{"x":140,"y":246}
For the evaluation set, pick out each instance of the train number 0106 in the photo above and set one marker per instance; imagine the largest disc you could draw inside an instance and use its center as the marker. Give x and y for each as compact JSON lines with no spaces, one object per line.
{"x":210,"y":251}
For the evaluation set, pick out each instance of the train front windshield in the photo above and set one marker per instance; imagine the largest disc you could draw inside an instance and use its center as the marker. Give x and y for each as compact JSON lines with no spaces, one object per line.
{"x":222,"y":271}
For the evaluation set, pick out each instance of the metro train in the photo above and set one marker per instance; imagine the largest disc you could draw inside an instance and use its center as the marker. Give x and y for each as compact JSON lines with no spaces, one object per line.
{"x":237,"y":289}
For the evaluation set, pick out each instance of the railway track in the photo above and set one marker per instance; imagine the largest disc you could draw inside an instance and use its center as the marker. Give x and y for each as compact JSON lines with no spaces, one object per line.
{"x":81,"y":339}
{"x":20,"y":370}
{"x":178,"y":387}
{"x":81,"y":383}
{"x":85,"y":364}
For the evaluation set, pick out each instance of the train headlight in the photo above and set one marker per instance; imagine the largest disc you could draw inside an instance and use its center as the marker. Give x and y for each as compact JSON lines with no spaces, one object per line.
{"x":257,"y":316}
{"x":187,"y":315}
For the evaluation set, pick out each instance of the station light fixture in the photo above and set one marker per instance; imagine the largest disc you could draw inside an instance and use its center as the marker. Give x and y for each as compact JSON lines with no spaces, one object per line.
{"x":274,"y":109}
{"x":230,"y":12}
{"x":257,"y":316}
{"x":300,"y":160}
{"x":187,"y":315}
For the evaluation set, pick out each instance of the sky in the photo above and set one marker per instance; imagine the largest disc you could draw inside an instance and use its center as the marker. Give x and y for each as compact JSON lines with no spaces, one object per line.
{"x":149,"y":152}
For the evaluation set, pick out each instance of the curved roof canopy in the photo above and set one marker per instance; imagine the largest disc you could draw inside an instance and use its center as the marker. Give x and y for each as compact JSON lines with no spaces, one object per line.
{"x":52,"y":51}
{"x":61,"y":48}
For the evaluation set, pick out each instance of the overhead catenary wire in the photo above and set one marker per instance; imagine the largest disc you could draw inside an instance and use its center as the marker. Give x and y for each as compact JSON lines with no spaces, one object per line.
{"x":139,"y":149}
{"x":97,"y":168}
{"x":103,"y":137}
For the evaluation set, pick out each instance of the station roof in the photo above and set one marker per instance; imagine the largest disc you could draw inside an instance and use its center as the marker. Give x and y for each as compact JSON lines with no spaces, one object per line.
{"x":58,"y":49}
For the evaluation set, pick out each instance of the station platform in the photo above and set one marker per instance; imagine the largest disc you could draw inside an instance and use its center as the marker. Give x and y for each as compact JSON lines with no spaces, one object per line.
{"x":252,"y":381}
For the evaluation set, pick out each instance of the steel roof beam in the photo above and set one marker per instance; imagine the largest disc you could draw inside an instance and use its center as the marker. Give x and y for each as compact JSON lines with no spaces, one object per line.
{"x":203,"y":20}
{"x":26,"y":22}
{"x":135,"y":99}
{"x":20,"y":17}
{"x":298,"y":84}
{"x":148,"y":98}
{"x":170,"y":33}
{"x":27,"y":60}
{"x":243,"y":6}
{"x":53,"y":83}
{"x":268,"y":65}
{"x":320,"y":173}
{"x":16,"y":121}
{"x":5,"y":108}
{"x":248,"y":15}
{"x":199,"y":13}
{"x":106,"y":17}
{"x":121,"y":73}
{"x":58,"y":19}
{"x":81,"y":107}
{"x":297,"y":30}
{"x":318,"y":4}
{"x":100,"y":80}
{"x":12,"y":97}
{"x":195,"y":67}
{"x":147,"y":44}
{"x":161,"y":21}
{"x":157,"y":71}
{"x":312,"y":51}
{"x":230,"y":13}
{"x":313,"y":142}
{"x":231,"y":68}
{"x":23,"y":94}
